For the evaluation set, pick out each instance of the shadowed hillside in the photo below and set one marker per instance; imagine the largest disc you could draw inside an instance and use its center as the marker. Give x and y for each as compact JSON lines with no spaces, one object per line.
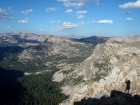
{"x":93,"y":40}
{"x":115,"y":98}
{"x":11,"y":91}
{"x":5,"y":52}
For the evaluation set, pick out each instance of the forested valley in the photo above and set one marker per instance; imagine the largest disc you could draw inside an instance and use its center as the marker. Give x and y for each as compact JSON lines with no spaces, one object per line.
{"x":17,"y":89}
{"x":27,"y":67}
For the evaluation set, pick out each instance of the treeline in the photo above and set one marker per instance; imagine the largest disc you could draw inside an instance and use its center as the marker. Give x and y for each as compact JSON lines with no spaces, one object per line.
{"x":42,"y":89}
{"x":17,"y":89}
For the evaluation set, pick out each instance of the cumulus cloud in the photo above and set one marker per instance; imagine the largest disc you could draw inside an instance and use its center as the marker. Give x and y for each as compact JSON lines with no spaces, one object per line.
{"x":23,"y":21}
{"x":88,"y":1}
{"x":82,"y":22}
{"x":129,"y":18}
{"x":40,"y":29}
{"x":68,"y":25}
{"x":9,"y":8}
{"x":8,"y":26}
{"x":4,"y":14}
{"x":75,"y":5}
{"x":105,"y":22}
{"x":84,"y":1}
{"x":80,"y":16}
{"x":81,"y":12}
{"x":58,"y":21}
{"x":55,"y":21}
{"x":63,"y":0}
{"x":52,"y":9}
{"x":131,"y":5}
{"x":27,"y":11}
{"x":79,"y":4}
{"x":68,"y":10}
{"x":128,"y":13}
{"x":91,"y":22}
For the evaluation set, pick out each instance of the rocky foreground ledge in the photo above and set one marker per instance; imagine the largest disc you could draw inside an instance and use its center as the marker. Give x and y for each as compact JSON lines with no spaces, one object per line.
{"x":115,"y":98}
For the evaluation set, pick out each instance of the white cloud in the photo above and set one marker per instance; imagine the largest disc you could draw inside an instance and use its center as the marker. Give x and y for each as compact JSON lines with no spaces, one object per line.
{"x":80,"y":4}
{"x":82,"y":1}
{"x":68,"y":25}
{"x":81,"y":12}
{"x":52,"y":9}
{"x":56,"y":21}
{"x":2,"y":10}
{"x":40,"y":29}
{"x":68,"y":10}
{"x":82,"y":22}
{"x":131,"y":5}
{"x":8,"y":26}
{"x":27,"y":11}
{"x":88,"y":1}
{"x":105,"y":22}
{"x":63,"y":0}
{"x":91,"y":22}
{"x":80,"y":16}
{"x":53,"y":21}
{"x":23,"y":21}
{"x":128,"y":13}
{"x":4,"y":14}
{"x":75,"y":5}
{"x":9,"y":8}
{"x":129,"y":18}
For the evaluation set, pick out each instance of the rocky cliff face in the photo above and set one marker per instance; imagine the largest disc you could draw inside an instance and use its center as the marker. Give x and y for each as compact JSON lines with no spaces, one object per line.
{"x":110,"y":65}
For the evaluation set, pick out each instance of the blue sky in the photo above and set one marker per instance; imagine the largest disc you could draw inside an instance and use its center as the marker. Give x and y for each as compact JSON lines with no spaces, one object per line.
{"x":71,"y":17}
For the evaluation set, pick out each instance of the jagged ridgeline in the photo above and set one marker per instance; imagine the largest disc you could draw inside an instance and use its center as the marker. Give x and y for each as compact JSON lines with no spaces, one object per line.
{"x":28,"y":62}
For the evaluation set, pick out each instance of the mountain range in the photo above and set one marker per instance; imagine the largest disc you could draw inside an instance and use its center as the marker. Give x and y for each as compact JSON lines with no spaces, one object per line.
{"x":89,"y":67}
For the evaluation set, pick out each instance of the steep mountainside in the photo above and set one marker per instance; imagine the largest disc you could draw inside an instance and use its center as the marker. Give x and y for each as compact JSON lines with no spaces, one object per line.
{"x":110,"y":65}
